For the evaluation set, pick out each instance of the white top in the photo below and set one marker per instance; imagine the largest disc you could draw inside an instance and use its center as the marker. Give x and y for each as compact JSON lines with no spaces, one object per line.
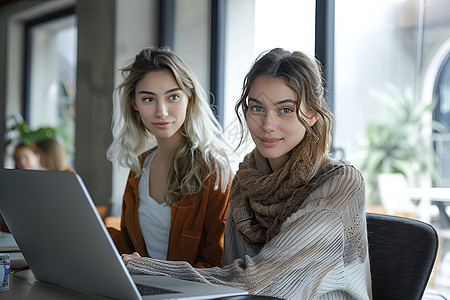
{"x":154,"y":218}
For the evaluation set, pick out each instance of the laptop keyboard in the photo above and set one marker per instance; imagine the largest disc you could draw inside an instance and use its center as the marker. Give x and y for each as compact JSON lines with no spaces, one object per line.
{"x":145,"y":290}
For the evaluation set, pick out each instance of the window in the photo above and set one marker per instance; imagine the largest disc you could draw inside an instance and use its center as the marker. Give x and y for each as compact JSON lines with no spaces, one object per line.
{"x":442,"y":115}
{"x":51,"y":75}
{"x":398,"y":48}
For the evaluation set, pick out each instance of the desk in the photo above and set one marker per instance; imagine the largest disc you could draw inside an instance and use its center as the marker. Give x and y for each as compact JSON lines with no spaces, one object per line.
{"x":442,"y":194}
{"x":436,"y":196}
{"x":23,"y":286}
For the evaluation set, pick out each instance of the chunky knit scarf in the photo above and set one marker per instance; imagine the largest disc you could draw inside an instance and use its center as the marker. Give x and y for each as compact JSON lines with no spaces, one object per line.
{"x":262,"y":199}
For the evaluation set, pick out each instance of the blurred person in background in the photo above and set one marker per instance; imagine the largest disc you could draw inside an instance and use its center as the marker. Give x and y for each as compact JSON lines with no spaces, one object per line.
{"x":53,"y":156}
{"x":26,"y":157}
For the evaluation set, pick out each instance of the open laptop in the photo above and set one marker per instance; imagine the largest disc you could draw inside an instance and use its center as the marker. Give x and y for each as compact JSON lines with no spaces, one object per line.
{"x":64,"y":241}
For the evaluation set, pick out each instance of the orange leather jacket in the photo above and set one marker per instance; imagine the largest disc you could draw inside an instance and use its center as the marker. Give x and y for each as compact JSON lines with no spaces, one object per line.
{"x":196,"y":230}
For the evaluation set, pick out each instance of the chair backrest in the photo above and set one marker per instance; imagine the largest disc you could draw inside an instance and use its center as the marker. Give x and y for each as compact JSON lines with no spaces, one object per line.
{"x":402,"y":254}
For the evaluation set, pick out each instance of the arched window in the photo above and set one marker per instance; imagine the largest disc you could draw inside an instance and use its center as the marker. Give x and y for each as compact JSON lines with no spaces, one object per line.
{"x":442,"y":93}
{"x":441,"y":114}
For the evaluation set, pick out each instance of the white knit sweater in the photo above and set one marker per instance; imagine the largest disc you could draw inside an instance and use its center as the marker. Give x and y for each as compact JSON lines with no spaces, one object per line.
{"x":320,"y":252}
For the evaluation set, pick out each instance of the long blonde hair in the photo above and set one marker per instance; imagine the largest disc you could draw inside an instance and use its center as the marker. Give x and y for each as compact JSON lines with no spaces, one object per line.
{"x":203,"y":150}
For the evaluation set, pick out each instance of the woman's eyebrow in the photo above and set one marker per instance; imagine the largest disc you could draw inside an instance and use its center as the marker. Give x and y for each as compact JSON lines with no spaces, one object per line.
{"x":172,"y":90}
{"x":285,"y":101}
{"x":254,"y":100}
{"x":166,"y":92}
{"x":146,"y":92}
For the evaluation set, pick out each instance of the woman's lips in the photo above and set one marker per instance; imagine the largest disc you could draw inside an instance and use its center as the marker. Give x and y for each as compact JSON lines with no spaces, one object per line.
{"x":162,"y":124}
{"x":270,"y":142}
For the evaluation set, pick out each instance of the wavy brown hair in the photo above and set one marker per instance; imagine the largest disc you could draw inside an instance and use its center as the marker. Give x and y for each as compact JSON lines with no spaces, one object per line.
{"x":303,"y":74}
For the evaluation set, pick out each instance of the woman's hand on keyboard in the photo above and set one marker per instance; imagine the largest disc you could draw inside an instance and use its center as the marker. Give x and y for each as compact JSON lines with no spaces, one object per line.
{"x":127,"y":257}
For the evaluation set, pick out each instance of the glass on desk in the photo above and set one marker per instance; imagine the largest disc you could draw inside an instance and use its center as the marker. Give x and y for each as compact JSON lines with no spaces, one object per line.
{"x":4,"y":270}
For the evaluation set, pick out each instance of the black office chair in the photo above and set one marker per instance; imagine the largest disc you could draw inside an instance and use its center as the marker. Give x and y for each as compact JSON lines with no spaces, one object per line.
{"x":402,"y":254}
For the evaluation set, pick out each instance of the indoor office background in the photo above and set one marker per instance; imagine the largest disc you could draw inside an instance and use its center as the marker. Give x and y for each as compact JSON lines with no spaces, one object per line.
{"x":387,"y":71}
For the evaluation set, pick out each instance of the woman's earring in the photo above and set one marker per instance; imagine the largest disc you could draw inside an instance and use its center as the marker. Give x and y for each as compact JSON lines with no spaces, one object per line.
{"x":316,"y":140}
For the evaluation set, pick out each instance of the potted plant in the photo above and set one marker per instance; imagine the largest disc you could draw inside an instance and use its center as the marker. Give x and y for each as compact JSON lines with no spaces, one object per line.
{"x":396,"y":140}
{"x":21,"y":132}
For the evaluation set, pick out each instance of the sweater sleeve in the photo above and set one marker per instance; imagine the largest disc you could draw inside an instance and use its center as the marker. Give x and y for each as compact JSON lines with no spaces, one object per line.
{"x":307,"y":259}
{"x":295,"y":264}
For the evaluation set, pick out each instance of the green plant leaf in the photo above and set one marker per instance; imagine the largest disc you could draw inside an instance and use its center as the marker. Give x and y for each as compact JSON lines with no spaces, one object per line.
{"x":396,"y":142}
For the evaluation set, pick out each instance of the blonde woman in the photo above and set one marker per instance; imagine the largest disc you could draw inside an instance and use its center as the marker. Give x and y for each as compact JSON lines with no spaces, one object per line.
{"x":176,"y":196}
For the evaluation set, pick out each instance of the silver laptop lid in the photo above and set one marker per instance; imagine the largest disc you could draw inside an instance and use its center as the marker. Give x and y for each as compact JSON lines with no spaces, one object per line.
{"x":49,"y":213}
